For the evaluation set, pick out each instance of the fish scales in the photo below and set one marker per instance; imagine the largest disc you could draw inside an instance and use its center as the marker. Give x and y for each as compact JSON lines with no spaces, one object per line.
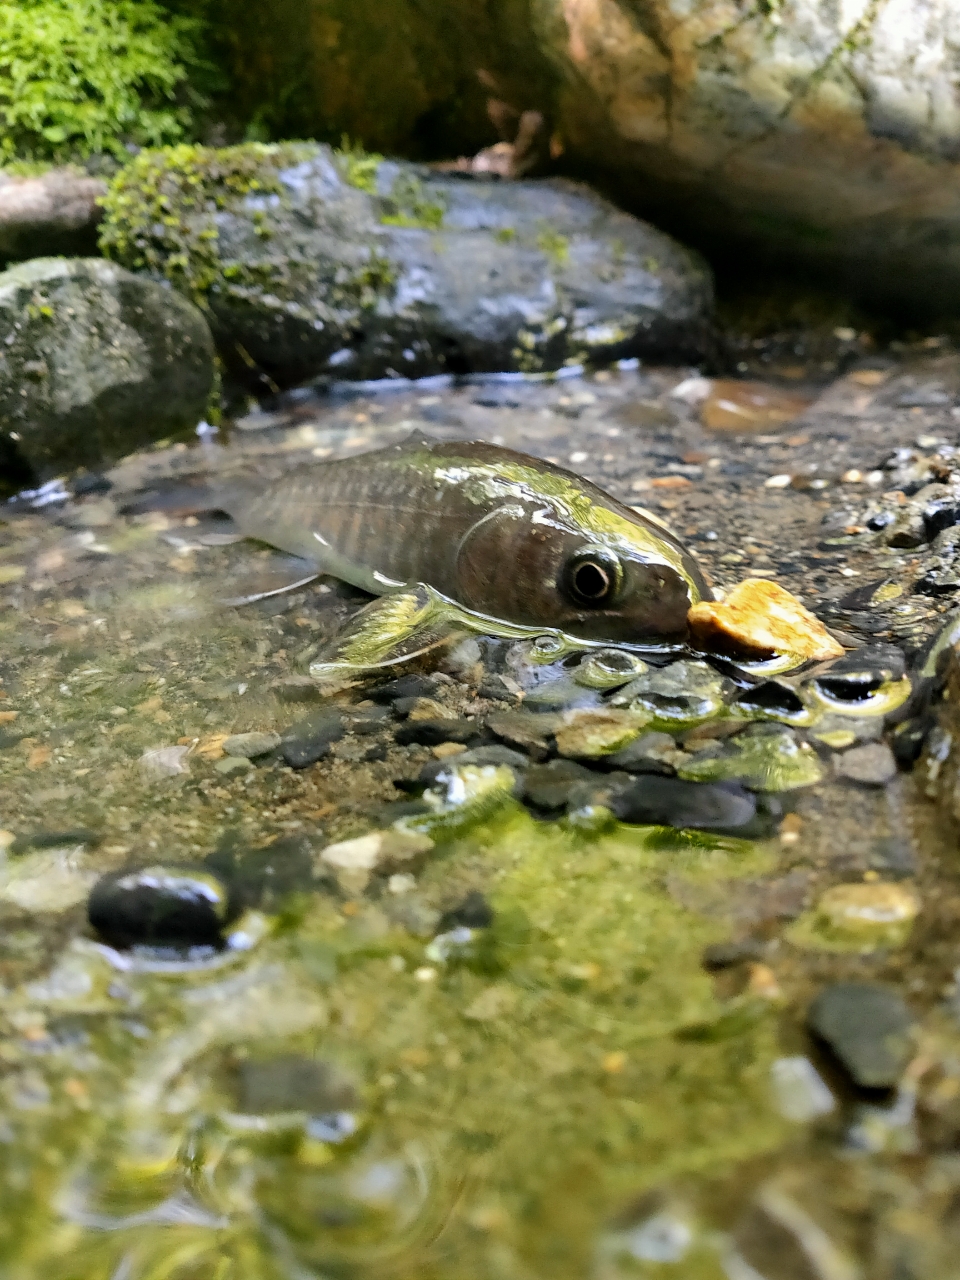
{"x":496,"y":531}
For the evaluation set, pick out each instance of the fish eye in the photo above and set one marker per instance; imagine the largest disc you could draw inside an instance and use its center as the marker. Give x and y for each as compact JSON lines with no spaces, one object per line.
{"x":592,"y":578}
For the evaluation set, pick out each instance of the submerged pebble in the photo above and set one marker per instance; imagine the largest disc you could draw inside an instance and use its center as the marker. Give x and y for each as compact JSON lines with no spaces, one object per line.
{"x":160,"y":906}
{"x":868,"y":1027}
{"x":310,"y":739}
{"x":672,"y":802}
{"x":681,"y":693}
{"x":251,"y":745}
{"x":766,"y":757}
{"x":871,"y":765}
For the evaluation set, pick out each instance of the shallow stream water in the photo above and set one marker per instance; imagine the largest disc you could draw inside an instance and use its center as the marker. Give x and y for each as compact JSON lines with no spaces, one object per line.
{"x":613,"y":1078}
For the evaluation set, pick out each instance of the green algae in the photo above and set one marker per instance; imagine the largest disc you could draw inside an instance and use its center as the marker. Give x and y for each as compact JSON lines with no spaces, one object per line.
{"x":580,"y":1057}
{"x":768,"y":758}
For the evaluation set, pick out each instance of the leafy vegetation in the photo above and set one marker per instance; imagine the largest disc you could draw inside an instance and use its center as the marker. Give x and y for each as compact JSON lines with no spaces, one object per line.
{"x":79,"y":77}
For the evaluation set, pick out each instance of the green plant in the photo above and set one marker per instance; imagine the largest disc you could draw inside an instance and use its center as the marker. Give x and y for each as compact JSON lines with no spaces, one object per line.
{"x":358,"y":166}
{"x":85,"y":76}
{"x":408,"y":205}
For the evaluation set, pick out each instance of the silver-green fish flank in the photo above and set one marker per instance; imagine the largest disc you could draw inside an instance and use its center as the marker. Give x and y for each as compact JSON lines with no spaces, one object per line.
{"x":495,"y":531}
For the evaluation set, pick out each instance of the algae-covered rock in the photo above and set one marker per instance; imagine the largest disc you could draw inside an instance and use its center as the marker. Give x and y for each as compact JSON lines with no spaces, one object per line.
{"x":94,"y":363}
{"x":312,"y":261}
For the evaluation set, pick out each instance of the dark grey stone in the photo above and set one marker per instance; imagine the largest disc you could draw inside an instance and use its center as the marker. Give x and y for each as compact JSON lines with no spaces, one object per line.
{"x":292,"y":1083}
{"x":672,"y":802}
{"x":550,"y":787}
{"x":432,"y":272}
{"x":310,"y":739}
{"x":94,"y":363}
{"x":868,"y":1028}
{"x":412,"y":686}
{"x":430,"y":733}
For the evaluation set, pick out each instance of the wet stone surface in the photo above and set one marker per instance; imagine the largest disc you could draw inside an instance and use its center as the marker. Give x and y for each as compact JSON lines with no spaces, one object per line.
{"x":522,"y":964}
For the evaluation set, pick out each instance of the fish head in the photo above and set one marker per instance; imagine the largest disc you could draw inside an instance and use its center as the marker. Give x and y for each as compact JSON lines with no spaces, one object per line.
{"x":621,"y":578}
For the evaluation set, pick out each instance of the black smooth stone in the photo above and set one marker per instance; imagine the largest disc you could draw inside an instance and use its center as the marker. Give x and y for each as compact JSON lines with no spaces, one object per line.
{"x":160,"y":906}
{"x":868,"y":1028}
{"x":652,"y":800}
{"x":857,"y":675}
{"x":940,"y":515}
{"x":310,"y":739}
{"x":430,"y":733}
{"x":493,"y":688}
{"x":771,"y":696}
{"x":89,"y":482}
{"x":474,"y":912}
{"x":412,"y":686}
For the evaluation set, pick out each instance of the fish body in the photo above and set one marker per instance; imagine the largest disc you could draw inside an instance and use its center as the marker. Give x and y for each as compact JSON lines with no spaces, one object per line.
{"x":495,"y":531}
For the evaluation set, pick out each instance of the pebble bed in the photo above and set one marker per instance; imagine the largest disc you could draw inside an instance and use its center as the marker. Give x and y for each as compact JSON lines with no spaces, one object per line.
{"x":497,"y":967}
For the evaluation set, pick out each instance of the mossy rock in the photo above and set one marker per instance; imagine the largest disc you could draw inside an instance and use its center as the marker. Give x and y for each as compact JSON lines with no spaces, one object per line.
{"x":311,"y":261}
{"x":94,"y":363}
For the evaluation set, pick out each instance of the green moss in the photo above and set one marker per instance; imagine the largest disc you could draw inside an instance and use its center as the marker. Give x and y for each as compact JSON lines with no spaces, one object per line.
{"x":359,"y":167}
{"x":408,"y":205}
{"x":506,"y":235}
{"x":160,"y":211}
{"x":85,"y":76}
{"x":554,"y":245}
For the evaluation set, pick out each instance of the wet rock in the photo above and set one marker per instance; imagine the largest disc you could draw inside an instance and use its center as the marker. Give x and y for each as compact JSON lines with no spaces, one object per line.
{"x":588,"y":733}
{"x":772,"y":698}
{"x":766,"y":757}
{"x":563,"y":693}
{"x":857,"y":675}
{"x":310,"y":739}
{"x":907,"y":530}
{"x":251,"y":745}
{"x":48,"y":214}
{"x":527,"y":730}
{"x":411,"y":271}
{"x":682,"y":692}
{"x":263,"y":876}
{"x":43,"y":839}
{"x":868,"y":1027}
{"x":868,"y":907}
{"x":297,"y":689}
{"x":412,"y":686}
{"x":872,"y":764}
{"x":494,"y":688}
{"x":474,"y":912}
{"x":430,"y":733}
{"x":353,"y":861}
{"x":495,"y":754}
{"x":160,"y":906}
{"x":94,"y":363}
{"x":672,"y":802}
{"x":608,"y":669}
{"x":366,"y":720}
{"x":418,"y":708}
{"x":759,"y":619}
{"x":549,"y":787}
{"x":650,"y":753}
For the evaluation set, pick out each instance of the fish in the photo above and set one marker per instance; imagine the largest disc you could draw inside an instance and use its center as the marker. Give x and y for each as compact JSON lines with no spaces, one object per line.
{"x":495,"y":531}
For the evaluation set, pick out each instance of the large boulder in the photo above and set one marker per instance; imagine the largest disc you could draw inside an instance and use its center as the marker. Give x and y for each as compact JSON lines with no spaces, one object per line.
{"x":94,"y":362}
{"x":821,"y":132}
{"x":311,"y":262}
{"x":48,"y":213}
